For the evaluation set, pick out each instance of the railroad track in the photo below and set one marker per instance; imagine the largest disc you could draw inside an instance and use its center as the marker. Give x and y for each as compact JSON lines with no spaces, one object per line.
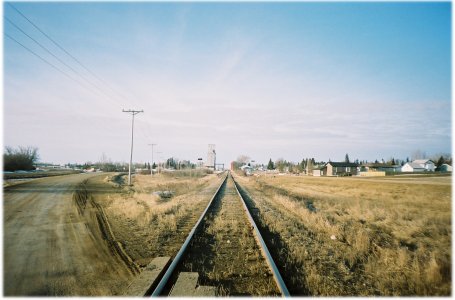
{"x":224,"y":254}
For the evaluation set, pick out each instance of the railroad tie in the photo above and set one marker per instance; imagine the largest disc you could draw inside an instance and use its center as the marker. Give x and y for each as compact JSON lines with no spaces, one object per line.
{"x":148,"y":278}
{"x":186,"y":285}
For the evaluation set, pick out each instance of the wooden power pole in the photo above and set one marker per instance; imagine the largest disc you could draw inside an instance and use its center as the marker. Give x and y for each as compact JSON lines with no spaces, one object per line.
{"x":133,"y":113}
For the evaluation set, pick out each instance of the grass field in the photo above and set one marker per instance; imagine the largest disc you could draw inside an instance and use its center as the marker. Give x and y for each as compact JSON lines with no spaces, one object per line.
{"x":147,"y":224}
{"x":353,"y":236}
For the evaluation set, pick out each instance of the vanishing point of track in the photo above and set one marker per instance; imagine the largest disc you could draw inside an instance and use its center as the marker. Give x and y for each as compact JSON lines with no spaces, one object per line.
{"x":227,"y":250}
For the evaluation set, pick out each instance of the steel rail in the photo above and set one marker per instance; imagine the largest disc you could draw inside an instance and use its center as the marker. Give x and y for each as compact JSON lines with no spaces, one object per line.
{"x":265,"y":251}
{"x":159,"y":288}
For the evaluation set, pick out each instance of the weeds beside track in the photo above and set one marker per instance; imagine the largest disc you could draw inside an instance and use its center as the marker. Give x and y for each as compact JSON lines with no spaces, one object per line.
{"x":224,"y":251}
{"x":361,"y":237}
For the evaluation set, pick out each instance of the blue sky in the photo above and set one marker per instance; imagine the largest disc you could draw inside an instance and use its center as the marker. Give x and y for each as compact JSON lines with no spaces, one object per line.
{"x":268,"y":80}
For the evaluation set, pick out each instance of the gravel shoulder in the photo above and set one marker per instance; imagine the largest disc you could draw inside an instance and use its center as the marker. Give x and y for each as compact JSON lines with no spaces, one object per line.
{"x":52,"y":248}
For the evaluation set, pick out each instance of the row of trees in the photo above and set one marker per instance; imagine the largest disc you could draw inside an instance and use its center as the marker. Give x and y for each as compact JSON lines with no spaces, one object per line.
{"x":106,"y":165}
{"x":443,"y":159}
{"x":176,"y":164}
{"x":284,"y":165}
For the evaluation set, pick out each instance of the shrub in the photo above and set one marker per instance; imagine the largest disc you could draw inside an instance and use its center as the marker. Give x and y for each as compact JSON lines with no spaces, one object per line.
{"x":22,"y":158}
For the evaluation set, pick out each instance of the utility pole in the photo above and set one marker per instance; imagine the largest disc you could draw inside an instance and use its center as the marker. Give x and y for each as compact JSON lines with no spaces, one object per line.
{"x":151,"y":169}
{"x":133,"y":113}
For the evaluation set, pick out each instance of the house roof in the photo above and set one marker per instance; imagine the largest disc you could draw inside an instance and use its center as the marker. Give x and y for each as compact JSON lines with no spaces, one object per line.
{"x":415,"y":165}
{"x":246,"y":167}
{"x":382,"y":166}
{"x":342,"y":164}
{"x":421,"y":161}
{"x":445,"y":167}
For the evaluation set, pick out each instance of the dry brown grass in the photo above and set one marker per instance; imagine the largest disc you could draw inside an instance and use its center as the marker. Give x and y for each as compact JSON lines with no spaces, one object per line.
{"x":148,"y":225}
{"x":393,"y":237}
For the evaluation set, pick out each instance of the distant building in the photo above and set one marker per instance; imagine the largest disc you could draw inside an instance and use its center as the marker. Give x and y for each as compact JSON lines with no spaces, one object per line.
{"x":219,"y":167}
{"x":247,"y":169}
{"x":319,"y":171}
{"x":339,"y":169}
{"x":419,"y":165}
{"x":380,"y":167}
{"x":211,"y":157}
{"x":200,"y":163}
{"x":427,"y":164}
{"x":48,"y":166}
{"x":261,"y":168}
{"x":412,"y":167}
{"x":444,"y":168}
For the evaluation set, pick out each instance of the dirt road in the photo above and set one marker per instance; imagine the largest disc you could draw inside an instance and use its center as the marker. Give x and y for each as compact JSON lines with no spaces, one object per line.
{"x":52,"y":249}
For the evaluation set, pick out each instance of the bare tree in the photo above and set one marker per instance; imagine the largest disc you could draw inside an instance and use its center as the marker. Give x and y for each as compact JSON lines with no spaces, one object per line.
{"x":22,"y":158}
{"x":309,"y":166}
{"x":418,"y":154}
{"x":243,"y":159}
{"x":446,"y":157}
{"x":280,"y":164}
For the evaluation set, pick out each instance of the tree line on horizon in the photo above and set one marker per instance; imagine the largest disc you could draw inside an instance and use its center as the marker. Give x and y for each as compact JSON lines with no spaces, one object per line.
{"x":309,"y":163}
{"x":27,"y":159}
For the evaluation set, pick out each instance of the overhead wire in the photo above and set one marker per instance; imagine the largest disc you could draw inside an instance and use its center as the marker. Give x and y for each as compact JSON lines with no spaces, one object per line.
{"x":49,"y":52}
{"x":45,"y":60}
{"x":54,"y":67}
{"x":58,"y":59}
{"x":50,"y":64}
{"x":99,"y":90}
{"x":65,"y":51}
{"x":143,"y":132}
{"x":42,"y":47}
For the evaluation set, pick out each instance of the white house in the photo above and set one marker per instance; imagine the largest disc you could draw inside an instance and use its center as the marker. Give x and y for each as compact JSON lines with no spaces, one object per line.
{"x":412,"y":167}
{"x":428,"y":164}
{"x":419,"y":165}
{"x":247,"y":169}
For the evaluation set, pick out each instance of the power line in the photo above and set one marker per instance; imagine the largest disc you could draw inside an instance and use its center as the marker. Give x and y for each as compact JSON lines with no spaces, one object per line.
{"x":66,"y":74}
{"x":63,"y":49}
{"x":46,"y":61}
{"x":142,"y":131}
{"x":55,"y":67}
{"x":58,"y":69}
{"x":52,"y":40}
{"x":57,"y":58}
{"x":43,"y":47}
